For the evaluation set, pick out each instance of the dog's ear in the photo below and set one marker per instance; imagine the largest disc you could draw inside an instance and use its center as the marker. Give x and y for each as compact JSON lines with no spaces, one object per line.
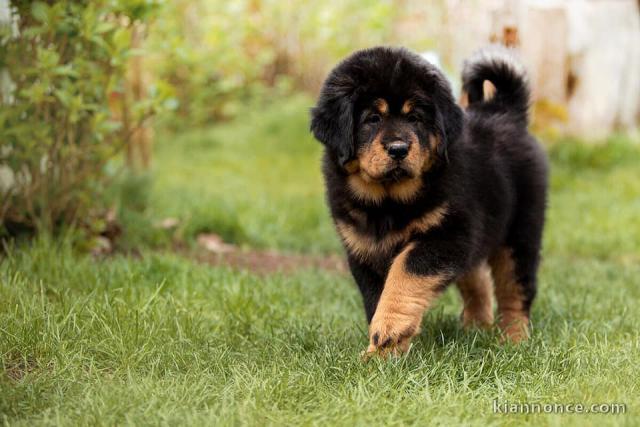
{"x":449,"y":117}
{"x":332,"y":123}
{"x":449,"y":122}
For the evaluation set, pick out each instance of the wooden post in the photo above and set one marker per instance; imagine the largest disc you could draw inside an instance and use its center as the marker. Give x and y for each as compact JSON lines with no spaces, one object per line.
{"x":139,"y":148}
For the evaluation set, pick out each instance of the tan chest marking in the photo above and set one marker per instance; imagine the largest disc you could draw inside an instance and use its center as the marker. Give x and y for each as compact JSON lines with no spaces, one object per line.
{"x":365,"y":246}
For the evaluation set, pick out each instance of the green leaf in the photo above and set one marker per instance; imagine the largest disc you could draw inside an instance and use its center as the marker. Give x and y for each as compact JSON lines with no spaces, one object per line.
{"x":65,"y":70}
{"x":104,"y":26}
{"x":63,"y":97}
{"x":40,"y":11}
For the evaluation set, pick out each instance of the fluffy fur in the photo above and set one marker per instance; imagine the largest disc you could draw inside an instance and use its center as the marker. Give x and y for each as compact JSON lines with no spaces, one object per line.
{"x":424,"y":194}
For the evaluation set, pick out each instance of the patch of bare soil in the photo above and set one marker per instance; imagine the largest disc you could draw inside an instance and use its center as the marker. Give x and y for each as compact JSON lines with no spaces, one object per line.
{"x":16,"y":369}
{"x":212,"y":250}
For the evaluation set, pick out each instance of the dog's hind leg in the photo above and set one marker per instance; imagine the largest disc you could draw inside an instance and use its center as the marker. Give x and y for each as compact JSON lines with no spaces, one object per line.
{"x":515,"y":264}
{"x":514,"y":275}
{"x":475,"y":287}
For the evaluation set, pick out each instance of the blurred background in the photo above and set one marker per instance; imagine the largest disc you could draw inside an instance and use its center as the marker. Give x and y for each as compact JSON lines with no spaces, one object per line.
{"x":184,"y":124}
{"x":166,"y":252}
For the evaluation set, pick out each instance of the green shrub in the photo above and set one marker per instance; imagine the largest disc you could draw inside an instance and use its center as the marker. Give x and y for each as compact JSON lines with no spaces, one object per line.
{"x":217,"y":55}
{"x":57,"y":133}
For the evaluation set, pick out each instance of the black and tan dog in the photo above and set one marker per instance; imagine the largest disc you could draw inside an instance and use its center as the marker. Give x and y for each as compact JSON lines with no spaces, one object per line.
{"x":424,"y":194}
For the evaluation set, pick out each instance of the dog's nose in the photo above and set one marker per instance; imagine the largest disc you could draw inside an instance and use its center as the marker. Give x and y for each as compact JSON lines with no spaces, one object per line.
{"x":398,"y":150}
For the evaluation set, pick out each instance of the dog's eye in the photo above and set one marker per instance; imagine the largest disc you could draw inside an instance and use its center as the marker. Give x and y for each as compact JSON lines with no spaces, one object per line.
{"x":373,"y":118}
{"x":413,"y":118}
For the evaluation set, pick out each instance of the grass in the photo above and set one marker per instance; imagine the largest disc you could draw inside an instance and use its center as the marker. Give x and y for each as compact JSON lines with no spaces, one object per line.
{"x":255,"y":181}
{"x":159,"y":339}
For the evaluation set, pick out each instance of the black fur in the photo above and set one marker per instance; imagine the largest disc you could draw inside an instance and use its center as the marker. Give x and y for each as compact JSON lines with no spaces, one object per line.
{"x":489,"y":170}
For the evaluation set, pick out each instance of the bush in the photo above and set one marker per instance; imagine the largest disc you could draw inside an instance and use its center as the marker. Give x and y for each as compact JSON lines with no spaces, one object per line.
{"x":64,"y":59}
{"x":216,"y":55}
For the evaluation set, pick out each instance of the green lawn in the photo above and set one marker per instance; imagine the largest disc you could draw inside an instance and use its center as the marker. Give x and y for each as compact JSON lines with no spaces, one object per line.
{"x":256,"y":181}
{"x":159,"y":339}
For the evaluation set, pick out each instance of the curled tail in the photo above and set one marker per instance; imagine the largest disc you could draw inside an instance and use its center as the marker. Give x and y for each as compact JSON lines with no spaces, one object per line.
{"x":508,"y":76}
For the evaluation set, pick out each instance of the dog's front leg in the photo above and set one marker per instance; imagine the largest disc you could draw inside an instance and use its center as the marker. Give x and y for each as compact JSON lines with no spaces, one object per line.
{"x":416,"y":277}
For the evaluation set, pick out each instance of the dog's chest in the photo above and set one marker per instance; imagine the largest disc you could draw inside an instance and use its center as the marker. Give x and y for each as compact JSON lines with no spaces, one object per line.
{"x":375,"y":237}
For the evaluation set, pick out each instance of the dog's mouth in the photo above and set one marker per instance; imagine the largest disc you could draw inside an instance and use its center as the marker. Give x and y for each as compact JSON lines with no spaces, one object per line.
{"x":395,"y":174}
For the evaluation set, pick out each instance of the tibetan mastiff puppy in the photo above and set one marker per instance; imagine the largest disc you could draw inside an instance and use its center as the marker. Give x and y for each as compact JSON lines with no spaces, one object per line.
{"x":424,"y":193}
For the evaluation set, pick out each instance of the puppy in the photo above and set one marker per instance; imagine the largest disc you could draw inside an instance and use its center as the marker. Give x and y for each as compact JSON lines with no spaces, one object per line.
{"x":424,"y":194}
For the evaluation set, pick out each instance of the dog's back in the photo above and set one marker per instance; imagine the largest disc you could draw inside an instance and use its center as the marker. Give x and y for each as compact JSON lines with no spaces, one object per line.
{"x":497,"y":116}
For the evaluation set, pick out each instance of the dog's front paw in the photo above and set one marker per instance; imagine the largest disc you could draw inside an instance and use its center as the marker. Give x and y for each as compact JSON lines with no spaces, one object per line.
{"x":391,"y":334}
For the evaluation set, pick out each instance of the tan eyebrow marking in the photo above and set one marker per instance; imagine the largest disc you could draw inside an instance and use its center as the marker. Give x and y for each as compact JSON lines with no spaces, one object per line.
{"x":381,"y":105}
{"x":407,"y":107}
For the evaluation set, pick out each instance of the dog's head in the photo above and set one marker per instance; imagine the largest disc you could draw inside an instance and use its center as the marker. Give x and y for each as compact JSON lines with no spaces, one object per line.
{"x":386,"y":115}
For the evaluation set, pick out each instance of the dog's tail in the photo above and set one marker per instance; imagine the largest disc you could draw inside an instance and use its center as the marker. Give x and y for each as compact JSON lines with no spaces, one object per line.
{"x":510,"y":92}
